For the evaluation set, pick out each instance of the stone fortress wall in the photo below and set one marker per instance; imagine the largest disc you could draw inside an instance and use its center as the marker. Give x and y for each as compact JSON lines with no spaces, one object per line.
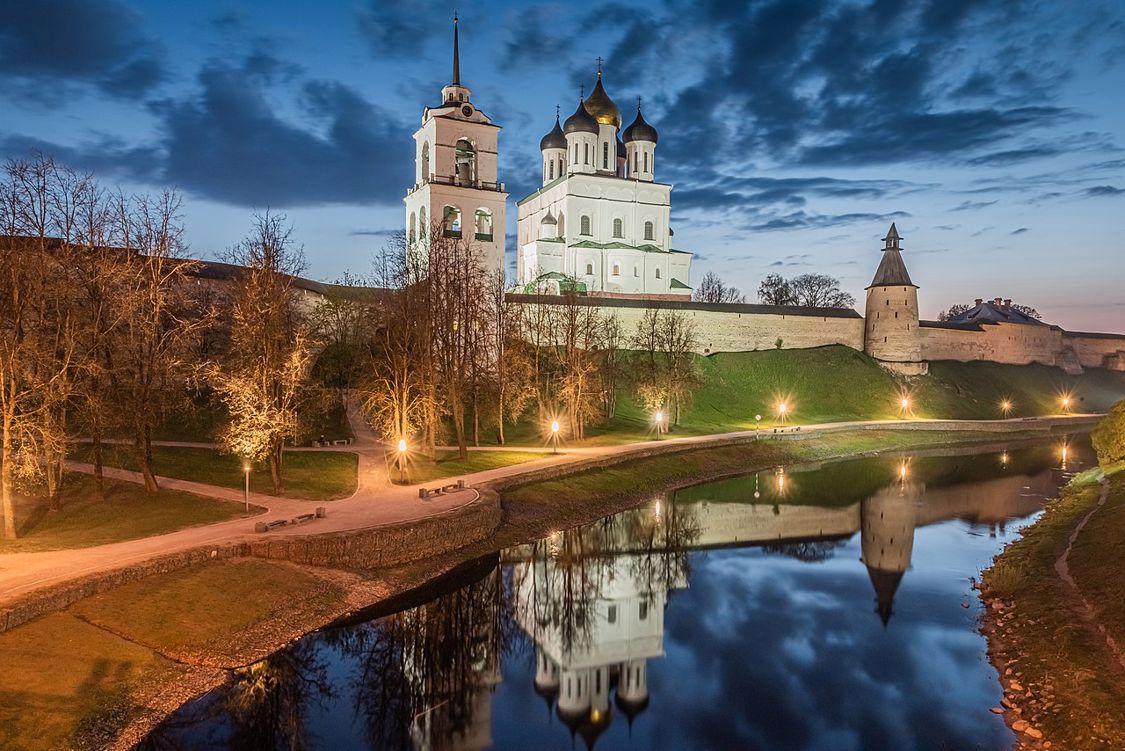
{"x":743,"y":328}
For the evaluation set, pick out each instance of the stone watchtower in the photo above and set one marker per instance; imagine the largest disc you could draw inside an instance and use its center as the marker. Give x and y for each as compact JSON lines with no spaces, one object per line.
{"x":891,"y":333}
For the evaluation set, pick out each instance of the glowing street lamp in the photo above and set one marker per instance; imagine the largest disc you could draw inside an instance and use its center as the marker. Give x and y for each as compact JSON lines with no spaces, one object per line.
{"x":1006,"y":407}
{"x":555,"y":435}
{"x":1066,"y":403}
{"x":757,"y":427}
{"x":904,"y":405}
{"x":782,"y":410}
{"x":246,"y":495}
{"x":401,"y":459}
{"x":659,"y":416}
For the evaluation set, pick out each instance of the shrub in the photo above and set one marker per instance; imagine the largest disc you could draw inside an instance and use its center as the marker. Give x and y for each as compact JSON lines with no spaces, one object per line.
{"x":1109,"y":436}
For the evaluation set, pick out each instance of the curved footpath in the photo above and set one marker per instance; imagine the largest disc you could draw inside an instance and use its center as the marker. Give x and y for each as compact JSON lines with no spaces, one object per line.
{"x":377,"y":502}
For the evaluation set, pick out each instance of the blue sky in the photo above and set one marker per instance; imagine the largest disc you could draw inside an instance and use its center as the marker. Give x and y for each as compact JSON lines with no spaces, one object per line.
{"x":794,"y":131}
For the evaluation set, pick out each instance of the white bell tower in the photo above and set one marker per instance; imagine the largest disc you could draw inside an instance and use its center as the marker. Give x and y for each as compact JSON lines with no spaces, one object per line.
{"x":456,"y":189}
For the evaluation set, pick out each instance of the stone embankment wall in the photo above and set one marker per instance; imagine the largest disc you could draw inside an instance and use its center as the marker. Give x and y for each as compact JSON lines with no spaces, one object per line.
{"x":1015,"y":344}
{"x":375,"y":547}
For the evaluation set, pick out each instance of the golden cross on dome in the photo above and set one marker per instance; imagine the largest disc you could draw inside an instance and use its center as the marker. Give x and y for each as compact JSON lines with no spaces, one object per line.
{"x":600,"y":65}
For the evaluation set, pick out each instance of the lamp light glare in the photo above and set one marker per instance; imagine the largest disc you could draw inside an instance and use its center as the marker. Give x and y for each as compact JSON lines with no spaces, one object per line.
{"x":402,"y":445}
{"x":554,"y":426}
{"x":782,"y":407}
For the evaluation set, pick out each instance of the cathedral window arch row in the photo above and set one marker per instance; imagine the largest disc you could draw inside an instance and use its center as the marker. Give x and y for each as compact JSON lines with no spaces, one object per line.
{"x":650,"y":230}
{"x":585,"y":225}
{"x":618,"y":227}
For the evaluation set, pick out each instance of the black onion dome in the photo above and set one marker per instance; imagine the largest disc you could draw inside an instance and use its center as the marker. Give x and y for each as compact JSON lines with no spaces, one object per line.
{"x":640,"y":130}
{"x":581,"y":121}
{"x":556,"y":139}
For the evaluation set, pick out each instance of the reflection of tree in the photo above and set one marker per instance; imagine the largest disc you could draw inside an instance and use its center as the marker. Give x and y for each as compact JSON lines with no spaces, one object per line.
{"x":810,"y":551}
{"x":267,"y":701}
{"x":421,"y":671}
{"x":662,"y":535}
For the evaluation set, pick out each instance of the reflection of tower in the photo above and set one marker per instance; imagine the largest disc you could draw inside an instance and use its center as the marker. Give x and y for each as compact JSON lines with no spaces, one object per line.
{"x":887,"y":521}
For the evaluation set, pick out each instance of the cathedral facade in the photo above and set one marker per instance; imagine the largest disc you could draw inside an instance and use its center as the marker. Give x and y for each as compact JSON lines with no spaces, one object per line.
{"x":600,"y":223}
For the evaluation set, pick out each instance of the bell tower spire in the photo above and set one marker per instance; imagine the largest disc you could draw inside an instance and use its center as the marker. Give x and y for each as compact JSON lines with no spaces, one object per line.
{"x":456,"y":54}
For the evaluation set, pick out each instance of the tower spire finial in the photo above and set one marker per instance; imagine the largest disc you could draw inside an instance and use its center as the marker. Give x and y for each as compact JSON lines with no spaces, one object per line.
{"x":456,"y":55}
{"x":638,"y":105}
{"x":581,"y":91}
{"x":599,"y":66}
{"x":556,"y":112}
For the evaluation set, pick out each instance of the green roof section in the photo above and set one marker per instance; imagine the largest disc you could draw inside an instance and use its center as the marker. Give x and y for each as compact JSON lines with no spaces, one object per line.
{"x":677,"y":284}
{"x":566,"y":283}
{"x":646,"y":248}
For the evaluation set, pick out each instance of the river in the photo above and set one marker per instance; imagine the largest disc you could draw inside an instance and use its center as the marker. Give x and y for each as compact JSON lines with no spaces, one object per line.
{"x":819,"y":608}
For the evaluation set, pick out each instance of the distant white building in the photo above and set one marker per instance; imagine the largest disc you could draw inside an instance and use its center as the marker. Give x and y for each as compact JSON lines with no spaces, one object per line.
{"x":600,"y":221}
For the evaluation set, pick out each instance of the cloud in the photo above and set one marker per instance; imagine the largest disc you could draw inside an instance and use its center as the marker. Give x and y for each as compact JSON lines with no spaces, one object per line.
{"x":1104,"y":190}
{"x":52,"y":44}
{"x":374,"y":232}
{"x":1019,"y":231}
{"x":401,"y":29}
{"x":972,"y":205}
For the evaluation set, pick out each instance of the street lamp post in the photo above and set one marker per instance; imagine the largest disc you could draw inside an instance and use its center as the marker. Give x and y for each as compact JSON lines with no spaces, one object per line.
{"x":904,"y":403}
{"x":1006,"y":407}
{"x":555,"y":436}
{"x":757,"y":428}
{"x":659,"y":422}
{"x":402,"y":460}
{"x":246,"y":495}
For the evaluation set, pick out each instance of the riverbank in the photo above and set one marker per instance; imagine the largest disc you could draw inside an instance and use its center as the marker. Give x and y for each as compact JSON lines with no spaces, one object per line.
{"x":142,"y":670}
{"x":1055,"y":620}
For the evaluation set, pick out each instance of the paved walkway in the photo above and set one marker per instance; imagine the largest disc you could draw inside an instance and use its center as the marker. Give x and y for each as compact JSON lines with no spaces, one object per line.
{"x":376,"y":501}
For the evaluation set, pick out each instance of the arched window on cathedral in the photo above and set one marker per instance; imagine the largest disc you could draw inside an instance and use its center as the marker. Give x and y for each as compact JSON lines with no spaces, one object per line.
{"x":451,"y":222}
{"x":605,"y":156}
{"x":658,"y":273}
{"x":562,"y":225}
{"x":466,"y":159}
{"x":634,"y":162}
{"x":584,"y":225}
{"x":636,"y":271}
{"x":425,"y":162}
{"x":618,"y":228}
{"x":589,"y":269}
{"x":410,"y":230}
{"x":551,"y":170}
{"x":646,"y":161}
{"x":586,"y":154}
{"x":617,"y":269}
{"x":650,"y":231}
{"x":423,"y":226}
{"x":484,"y":225}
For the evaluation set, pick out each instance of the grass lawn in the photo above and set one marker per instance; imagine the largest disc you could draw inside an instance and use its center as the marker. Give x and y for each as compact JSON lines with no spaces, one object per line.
{"x":128,"y":512}
{"x":1057,"y":658}
{"x":67,"y":676}
{"x":201,"y":607}
{"x":61,"y":675}
{"x":308,"y":475}
{"x":421,"y":469}
{"x":836,"y":383}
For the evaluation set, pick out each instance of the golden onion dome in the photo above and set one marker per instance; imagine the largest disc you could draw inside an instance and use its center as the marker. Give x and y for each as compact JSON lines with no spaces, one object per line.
{"x":602,"y":107}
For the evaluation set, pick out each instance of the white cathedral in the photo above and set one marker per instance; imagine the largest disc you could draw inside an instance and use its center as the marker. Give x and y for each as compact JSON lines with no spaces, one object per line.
{"x":600,"y":222}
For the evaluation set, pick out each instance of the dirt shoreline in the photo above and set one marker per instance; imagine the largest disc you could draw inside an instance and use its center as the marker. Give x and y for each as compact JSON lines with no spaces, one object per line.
{"x":373,"y":593}
{"x":1060,"y":675}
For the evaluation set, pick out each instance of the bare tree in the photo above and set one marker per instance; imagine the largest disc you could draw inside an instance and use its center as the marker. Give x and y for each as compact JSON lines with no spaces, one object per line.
{"x":665,"y":370}
{"x":712,"y":289}
{"x":264,"y":382}
{"x":806,"y":290}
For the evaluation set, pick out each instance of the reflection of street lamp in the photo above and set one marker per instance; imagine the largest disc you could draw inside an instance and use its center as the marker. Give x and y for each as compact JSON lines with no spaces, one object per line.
{"x":246,"y":471}
{"x":781,"y":480}
{"x":555,"y":435}
{"x":1063,"y":453}
{"x":1004,"y":459}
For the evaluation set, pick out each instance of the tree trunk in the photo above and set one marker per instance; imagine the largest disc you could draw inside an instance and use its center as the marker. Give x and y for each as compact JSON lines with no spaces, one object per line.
{"x":144,"y":458}
{"x":500,"y":419}
{"x":99,"y":468}
{"x":54,"y":480}
{"x":275,"y":468}
{"x":7,"y":484}
{"x":459,"y":429}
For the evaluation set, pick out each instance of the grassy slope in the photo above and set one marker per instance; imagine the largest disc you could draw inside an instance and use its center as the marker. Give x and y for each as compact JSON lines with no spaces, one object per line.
{"x":128,"y":512}
{"x":837,"y":383}
{"x":1075,"y":698}
{"x":66,"y":677}
{"x":308,"y":475}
